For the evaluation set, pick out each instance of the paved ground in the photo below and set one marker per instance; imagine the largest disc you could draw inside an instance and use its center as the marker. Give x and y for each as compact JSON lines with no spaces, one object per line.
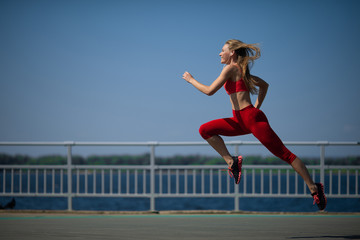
{"x":174,"y":226}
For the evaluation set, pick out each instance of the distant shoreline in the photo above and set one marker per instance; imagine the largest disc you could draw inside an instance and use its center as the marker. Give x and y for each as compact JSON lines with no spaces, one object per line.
{"x":144,"y":159}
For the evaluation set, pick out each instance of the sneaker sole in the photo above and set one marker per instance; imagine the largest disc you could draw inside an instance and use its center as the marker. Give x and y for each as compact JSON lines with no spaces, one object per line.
{"x":321,"y":190}
{"x":240,"y":159}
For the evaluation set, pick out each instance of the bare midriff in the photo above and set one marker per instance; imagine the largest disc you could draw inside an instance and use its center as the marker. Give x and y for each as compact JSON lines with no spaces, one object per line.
{"x":240,"y":100}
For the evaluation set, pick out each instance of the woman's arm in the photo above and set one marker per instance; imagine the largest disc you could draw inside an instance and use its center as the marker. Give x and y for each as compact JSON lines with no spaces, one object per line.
{"x":263,"y":87}
{"x":215,"y":86}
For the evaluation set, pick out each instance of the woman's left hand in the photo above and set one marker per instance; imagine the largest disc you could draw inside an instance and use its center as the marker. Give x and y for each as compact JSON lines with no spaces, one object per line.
{"x":187,"y":76}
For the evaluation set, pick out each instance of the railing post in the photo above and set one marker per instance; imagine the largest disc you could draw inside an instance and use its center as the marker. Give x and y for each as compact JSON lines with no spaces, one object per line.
{"x":69,"y":174}
{"x":236,"y":150}
{"x":152,"y":177}
{"x":322,"y":163}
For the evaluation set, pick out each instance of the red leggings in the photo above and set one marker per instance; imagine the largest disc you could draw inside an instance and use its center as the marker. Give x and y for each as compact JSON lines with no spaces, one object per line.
{"x":245,"y":121}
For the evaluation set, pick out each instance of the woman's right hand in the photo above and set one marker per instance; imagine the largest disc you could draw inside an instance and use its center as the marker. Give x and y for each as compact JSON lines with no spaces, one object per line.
{"x":187,"y":76}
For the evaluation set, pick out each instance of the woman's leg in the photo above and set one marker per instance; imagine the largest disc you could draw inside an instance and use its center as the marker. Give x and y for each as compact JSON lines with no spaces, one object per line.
{"x":276,"y":146}
{"x":219,"y":145}
{"x":210,"y":131}
{"x":302,"y":170}
{"x":259,"y":126}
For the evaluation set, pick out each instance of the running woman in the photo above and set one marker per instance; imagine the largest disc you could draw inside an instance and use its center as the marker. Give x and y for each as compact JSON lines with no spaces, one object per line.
{"x":247,"y":118}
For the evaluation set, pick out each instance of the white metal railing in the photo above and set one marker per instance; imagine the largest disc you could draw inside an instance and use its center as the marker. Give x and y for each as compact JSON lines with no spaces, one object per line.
{"x":154,"y":181}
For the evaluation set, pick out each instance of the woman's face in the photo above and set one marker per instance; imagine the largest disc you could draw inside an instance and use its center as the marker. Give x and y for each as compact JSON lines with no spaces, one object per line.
{"x":225,"y":54}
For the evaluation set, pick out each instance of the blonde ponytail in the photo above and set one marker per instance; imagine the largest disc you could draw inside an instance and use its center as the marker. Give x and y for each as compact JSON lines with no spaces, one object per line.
{"x":247,"y":54}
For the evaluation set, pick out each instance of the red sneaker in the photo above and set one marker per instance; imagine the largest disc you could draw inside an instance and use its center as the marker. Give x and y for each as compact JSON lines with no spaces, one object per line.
{"x":235,"y":170}
{"x":319,"y":197}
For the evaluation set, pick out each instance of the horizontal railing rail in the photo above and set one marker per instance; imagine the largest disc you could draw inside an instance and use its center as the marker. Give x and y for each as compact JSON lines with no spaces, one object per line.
{"x":155,"y":181}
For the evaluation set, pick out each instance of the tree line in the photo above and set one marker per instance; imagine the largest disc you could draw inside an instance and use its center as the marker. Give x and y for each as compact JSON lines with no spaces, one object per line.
{"x":144,"y":159}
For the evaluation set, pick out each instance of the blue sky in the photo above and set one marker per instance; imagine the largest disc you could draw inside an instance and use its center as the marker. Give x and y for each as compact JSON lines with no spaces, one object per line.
{"x":111,"y":70}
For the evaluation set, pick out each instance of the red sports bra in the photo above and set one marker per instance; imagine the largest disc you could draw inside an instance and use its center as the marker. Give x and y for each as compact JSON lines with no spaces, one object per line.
{"x":233,"y":87}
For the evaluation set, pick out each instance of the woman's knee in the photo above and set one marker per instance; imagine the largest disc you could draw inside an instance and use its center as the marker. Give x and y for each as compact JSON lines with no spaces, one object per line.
{"x":204,"y":131}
